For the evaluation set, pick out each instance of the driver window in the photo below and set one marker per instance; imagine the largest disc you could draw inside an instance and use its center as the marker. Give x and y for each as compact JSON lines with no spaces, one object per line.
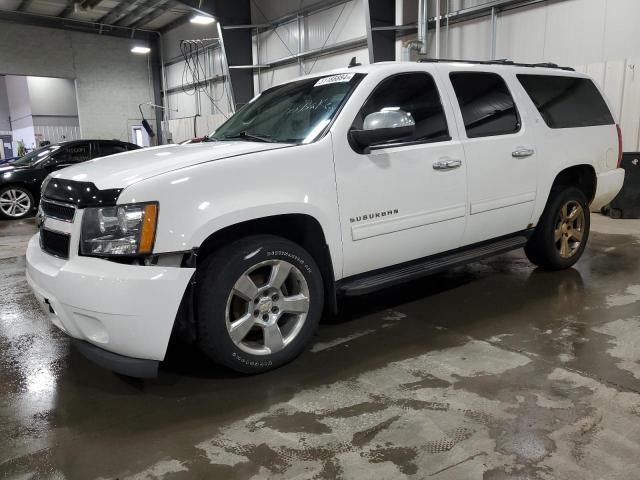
{"x":415,"y":93}
{"x":71,"y":154}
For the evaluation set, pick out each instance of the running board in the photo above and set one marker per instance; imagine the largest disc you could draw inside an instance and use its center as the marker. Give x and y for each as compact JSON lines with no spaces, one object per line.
{"x":363,"y":284}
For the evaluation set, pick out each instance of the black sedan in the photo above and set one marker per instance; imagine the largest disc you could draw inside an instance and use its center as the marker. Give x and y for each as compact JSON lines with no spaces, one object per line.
{"x":21,"y":179}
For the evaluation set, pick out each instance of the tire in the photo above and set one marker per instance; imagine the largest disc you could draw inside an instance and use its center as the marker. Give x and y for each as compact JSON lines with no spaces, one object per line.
{"x":16,"y":202}
{"x":226,"y":303}
{"x":615,"y":213}
{"x":558,"y":244}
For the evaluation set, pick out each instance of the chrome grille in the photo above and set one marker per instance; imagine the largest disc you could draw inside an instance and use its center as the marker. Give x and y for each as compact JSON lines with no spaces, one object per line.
{"x":57,"y":210}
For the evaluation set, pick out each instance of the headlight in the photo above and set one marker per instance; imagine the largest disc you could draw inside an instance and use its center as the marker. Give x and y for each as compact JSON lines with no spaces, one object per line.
{"x":120,"y":230}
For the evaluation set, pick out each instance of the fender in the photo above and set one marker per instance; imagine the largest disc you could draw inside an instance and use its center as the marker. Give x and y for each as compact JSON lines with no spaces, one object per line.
{"x":201,"y":199}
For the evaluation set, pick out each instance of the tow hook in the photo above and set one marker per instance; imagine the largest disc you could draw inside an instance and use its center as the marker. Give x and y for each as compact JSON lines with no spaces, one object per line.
{"x":51,"y":310}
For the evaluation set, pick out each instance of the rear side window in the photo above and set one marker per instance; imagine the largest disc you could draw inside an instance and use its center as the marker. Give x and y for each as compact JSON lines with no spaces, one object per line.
{"x":108,"y":148}
{"x":567,"y":102}
{"x":415,"y":93}
{"x":76,"y":153}
{"x":487,"y":106}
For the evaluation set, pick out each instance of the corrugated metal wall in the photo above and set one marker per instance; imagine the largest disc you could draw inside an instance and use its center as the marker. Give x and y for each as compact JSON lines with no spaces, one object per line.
{"x":328,"y":27}
{"x":596,"y":36}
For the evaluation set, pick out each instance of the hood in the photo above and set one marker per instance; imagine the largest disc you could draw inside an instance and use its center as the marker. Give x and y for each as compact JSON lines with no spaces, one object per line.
{"x":124,"y":169}
{"x":7,"y":167}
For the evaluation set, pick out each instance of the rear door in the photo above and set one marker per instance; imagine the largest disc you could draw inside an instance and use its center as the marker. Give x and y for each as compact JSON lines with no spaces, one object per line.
{"x":500,"y":153}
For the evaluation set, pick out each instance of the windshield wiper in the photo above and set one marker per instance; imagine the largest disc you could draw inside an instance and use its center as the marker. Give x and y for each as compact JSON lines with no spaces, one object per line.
{"x":253,"y":137}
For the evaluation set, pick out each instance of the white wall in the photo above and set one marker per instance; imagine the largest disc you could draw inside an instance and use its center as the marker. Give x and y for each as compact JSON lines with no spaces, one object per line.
{"x":110,"y":80}
{"x":42,"y":108}
{"x":52,"y":96}
{"x":19,"y":103}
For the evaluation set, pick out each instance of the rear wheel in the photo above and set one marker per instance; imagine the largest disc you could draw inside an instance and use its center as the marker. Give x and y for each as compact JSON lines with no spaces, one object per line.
{"x":259,"y":301}
{"x":15,"y":202}
{"x":562,"y":233}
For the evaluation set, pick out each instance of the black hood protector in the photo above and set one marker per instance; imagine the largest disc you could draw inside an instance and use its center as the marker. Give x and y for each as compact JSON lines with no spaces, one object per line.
{"x":80,"y":194}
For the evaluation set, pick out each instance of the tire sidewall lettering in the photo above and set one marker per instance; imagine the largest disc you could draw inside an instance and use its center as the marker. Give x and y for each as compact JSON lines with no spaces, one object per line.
{"x":290,"y":256}
{"x":252,"y":363}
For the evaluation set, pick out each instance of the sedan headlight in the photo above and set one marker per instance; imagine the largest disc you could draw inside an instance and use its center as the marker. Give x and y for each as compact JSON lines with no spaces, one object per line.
{"x":121,"y":230}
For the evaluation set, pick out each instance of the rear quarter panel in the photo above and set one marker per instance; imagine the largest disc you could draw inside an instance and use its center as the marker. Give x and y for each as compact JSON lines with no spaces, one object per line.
{"x":561,"y":148}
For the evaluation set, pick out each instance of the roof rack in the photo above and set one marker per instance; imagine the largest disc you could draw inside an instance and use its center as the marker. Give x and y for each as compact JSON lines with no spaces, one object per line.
{"x":502,"y":61}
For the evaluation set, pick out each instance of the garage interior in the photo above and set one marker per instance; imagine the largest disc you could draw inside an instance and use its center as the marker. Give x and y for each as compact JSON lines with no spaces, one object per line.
{"x":494,"y":370}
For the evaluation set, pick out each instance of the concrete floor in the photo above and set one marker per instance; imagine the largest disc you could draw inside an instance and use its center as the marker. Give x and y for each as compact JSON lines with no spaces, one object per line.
{"x":493,"y":371}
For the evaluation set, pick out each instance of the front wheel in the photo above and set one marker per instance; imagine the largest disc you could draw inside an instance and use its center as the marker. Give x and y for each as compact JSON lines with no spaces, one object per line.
{"x":562,"y":233}
{"x":259,"y":301}
{"x":15,"y":202}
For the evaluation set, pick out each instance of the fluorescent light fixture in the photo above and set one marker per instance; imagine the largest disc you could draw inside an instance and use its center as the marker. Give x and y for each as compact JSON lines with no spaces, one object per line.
{"x":202,"y":19}
{"x":140,"y":49}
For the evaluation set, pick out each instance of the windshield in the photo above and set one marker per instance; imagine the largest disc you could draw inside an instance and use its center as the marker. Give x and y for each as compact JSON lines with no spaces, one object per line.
{"x":297,"y":112}
{"x":36,"y":156}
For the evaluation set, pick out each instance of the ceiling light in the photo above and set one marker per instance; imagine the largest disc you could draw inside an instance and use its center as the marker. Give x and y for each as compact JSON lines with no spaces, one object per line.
{"x":202,"y":19}
{"x":140,"y":49}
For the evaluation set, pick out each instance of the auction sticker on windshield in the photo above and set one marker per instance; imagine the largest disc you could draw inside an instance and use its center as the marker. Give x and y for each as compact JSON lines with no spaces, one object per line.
{"x":343,"y":77}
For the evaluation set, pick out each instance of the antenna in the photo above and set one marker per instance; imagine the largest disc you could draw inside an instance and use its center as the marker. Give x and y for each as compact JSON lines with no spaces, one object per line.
{"x":353,"y":63}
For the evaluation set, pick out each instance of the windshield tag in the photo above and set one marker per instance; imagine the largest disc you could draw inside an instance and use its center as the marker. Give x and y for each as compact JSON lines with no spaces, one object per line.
{"x":343,"y":77}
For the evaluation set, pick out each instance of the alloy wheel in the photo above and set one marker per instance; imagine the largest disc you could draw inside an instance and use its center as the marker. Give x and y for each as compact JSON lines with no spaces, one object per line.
{"x":267,"y":307}
{"x":569,"y":229}
{"x":15,"y":202}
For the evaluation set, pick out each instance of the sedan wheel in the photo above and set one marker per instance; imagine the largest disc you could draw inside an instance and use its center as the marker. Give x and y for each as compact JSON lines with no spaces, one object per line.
{"x":15,"y":202}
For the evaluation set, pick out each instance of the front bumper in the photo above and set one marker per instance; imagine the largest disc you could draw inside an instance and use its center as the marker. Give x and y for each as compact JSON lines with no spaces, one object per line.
{"x":127,"y":310}
{"x":608,"y":186}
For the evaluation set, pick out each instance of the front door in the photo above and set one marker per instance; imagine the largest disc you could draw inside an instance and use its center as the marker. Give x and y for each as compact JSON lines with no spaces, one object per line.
{"x":407,"y":199}
{"x":500,"y":153}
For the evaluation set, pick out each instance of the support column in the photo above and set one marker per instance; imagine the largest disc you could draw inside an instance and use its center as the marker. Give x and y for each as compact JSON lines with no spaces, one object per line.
{"x":380,"y":16}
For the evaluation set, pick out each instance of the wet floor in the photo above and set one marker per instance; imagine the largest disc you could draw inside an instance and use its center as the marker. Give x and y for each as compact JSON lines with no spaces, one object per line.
{"x":494,"y":370}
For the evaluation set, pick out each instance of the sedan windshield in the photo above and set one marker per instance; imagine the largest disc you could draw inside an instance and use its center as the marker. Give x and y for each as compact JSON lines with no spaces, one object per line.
{"x":296,"y":112}
{"x":36,"y":156}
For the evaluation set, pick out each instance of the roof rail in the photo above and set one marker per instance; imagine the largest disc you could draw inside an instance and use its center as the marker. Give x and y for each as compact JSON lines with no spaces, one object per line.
{"x":502,"y":61}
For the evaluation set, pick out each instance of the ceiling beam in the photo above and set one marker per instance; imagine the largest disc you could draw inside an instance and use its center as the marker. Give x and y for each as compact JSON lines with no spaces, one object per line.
{"x":82,"y":5}
{"x":73,"y":25}
{"x":141,"y":22}
{"x":24,"y":5}
{"x":116,"y":13}
{"x":68,"y":10}
{"x":89,"y":4}
{"x":144,"y":8}
{"x":181,"y":20}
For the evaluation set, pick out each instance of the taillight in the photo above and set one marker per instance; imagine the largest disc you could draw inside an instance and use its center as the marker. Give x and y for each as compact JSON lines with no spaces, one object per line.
{"x":619,"y":145}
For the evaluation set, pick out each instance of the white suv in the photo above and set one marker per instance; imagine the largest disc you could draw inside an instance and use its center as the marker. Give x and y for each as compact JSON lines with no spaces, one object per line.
{"x":336,"y":184}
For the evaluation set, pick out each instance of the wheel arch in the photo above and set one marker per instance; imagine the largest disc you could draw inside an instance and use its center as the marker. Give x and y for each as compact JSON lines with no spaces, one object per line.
{"x":582,"y":176}
{"x":303,"y":229}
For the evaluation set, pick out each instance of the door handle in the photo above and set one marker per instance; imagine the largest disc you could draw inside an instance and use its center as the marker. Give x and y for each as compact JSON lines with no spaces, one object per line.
{"x":446,"y":164}
{"x":522,"y":152}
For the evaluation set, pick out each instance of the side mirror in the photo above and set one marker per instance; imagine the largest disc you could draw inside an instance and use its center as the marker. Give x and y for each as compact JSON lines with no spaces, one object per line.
{"x":51,"y":165}
{"x":382,"y":127}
